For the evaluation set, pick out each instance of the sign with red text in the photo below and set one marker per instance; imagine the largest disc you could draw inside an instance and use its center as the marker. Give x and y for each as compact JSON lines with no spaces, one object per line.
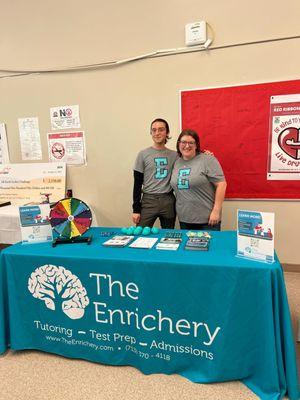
{"x":68,"y":147}
{"x":284,"y":138}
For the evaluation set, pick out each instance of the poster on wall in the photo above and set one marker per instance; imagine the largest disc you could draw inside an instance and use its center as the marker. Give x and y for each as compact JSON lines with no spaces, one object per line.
{"x":284,"y":138}
{"x":68,"y":147}
{"x":36,"y":183}
{"x":65,"y":117}
{"x":234,"y":123}
{"x":255,"y":235}
{"x":4,"y":156}
{"x":30,"y":138}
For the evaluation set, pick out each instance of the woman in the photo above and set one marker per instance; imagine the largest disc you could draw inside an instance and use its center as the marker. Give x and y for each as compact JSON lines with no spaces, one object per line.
{"x":199,"y":185}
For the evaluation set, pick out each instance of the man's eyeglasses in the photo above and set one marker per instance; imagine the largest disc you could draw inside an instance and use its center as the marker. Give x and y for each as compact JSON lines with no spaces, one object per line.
{"x":185,"y":143}
{"x":154,"y":130}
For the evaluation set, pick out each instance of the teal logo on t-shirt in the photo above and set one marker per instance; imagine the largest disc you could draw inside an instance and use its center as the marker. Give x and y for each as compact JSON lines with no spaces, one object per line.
{"x":161,"y":172}
{"x":182,"y":181}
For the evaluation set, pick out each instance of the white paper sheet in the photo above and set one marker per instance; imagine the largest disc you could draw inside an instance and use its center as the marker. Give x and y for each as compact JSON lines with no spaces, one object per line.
{"x":30,"y":138}
{"x":65,"y":117}
{"x":4,"y":155}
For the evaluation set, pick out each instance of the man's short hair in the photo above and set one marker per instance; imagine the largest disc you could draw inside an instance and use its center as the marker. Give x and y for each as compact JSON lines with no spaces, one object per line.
{"x":163,"y":121}
{"x":166,"y":125}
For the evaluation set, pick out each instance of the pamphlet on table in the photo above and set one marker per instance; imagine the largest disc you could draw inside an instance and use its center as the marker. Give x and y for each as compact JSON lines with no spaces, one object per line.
{"x":118,"y":241}
{"x":197,"y":243}
{"x":143,"y":243}
{"x":169,"y":243}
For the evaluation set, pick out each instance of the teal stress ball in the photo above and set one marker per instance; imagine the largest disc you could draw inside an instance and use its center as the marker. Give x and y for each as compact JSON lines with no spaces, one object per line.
{"x":130,"y":230}
{"x":138,"y":230}
{"x":146,"y":231}
{"x":154,"y":230}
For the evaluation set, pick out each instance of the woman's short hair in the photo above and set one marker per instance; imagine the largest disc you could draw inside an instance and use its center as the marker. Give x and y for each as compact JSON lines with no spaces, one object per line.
{"x":191,"y":133}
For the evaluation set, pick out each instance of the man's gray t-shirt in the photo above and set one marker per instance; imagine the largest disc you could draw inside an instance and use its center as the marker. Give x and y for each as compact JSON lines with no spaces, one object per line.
{"x":156,"y":165}
{"x":193,"y":183}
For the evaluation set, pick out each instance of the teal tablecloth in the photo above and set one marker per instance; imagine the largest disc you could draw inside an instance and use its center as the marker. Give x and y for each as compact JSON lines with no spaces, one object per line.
{"x":208,"y":316}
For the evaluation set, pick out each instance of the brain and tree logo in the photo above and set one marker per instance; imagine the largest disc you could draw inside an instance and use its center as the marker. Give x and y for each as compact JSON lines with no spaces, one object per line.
{"x":59,"y":289}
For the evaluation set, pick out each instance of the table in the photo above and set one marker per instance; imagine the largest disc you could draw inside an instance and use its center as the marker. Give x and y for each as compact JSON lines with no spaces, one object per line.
{"x":10,"y":231}
{"x":209,"y":316}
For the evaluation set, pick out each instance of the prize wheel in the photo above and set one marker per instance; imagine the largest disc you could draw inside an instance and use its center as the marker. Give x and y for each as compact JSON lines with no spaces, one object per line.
{"x":70,"y":218}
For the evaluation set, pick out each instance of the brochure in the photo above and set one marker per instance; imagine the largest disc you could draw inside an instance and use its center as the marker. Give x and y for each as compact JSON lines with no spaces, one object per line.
{"x":35,"y":224}
{"x":197,"y":243}
{"x":144,"y":243}
{"x":167,"y":246}
{"x":169,"y":243}
{"x":255,"y":235}
{"x":118,"y":241}
{"x":170,"y":240}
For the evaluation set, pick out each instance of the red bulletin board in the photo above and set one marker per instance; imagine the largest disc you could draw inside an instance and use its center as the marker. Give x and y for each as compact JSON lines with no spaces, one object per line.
{"x":233,"y":122}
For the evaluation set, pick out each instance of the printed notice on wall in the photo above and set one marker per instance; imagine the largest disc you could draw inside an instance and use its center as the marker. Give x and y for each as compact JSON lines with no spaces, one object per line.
{"x":30,"y":138}
{"x":255,"y":235}
{"x":68,"y":147}
{"x":4,"y":156}
{"x":284,"y":138}
{"x":65,"y":117}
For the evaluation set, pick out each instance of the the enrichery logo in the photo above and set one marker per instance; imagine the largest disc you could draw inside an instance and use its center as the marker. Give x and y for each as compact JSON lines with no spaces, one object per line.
{"x":289,"y":141}
{"x":59,"y":289}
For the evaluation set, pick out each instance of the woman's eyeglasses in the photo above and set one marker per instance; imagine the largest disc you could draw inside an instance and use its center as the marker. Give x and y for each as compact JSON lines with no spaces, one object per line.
{"x":185,"y":143}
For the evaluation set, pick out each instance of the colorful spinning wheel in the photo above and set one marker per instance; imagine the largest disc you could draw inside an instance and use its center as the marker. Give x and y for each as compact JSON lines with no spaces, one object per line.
{"x":70,"y":218}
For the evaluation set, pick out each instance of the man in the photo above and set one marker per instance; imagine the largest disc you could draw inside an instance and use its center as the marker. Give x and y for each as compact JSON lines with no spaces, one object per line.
{"x":152,"y":174}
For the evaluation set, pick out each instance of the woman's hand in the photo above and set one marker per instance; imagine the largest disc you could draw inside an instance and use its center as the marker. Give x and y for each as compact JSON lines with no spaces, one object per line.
{"x":208,"y":152}
{"x":214,"y":217}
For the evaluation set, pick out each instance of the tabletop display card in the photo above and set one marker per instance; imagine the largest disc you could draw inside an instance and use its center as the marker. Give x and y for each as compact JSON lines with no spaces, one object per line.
{"x":118,"y":241}
{"x":35,"y":224}
{"x":255,"y":235}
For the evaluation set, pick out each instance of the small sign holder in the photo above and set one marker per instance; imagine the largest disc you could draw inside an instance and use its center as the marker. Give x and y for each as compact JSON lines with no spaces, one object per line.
{"x":81,"y":239}
{"x":255,"y":235}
